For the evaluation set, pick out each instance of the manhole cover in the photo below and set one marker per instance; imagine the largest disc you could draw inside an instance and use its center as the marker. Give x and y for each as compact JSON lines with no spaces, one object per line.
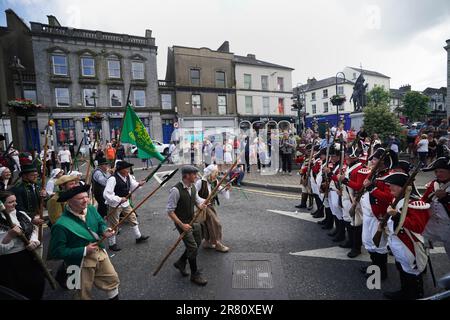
{"x":251,"y":274}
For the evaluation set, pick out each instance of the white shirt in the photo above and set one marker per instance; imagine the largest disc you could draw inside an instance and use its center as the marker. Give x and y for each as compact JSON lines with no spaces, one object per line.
{"x":111,"y":199}
{"x":64,"y":156}
{"x":225,"y":192}
{"x":15,"y":245}
{"x":422,"y":146}
{"x":50,"y":187}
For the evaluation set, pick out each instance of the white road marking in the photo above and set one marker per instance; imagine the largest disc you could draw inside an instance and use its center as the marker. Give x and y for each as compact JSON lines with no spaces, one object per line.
{"x":306,"y":216}
{"x":339,"y":253}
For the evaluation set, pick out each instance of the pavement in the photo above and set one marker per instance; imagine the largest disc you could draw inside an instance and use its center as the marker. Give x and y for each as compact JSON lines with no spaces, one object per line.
{"x":261,"y":227}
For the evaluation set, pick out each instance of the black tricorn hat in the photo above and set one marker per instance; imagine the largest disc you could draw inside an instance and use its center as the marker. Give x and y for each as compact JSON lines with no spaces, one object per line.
{"x":396,"y":178}
{"x":123,"y":165}
{"x":102,"y":161}
{"x":441,"y":163}
{"x":69,"y":194}
{"x":390,"y":160}
{"x":404,"y":165}
{"x":353,"y":152}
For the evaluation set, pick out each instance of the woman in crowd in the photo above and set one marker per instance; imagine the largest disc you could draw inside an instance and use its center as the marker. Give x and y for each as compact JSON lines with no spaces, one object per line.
{"x":18,"y":270}
{"x":54,"y":175}
{"x":211,"y":226}
{"x":5,"y":178}
{"x":422,"y":149}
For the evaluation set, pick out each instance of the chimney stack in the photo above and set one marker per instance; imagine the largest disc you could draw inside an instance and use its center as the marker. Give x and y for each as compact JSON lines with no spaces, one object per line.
{"x":251,"y":56}
{"x":225,"y":47}
{"x":148,"y":33}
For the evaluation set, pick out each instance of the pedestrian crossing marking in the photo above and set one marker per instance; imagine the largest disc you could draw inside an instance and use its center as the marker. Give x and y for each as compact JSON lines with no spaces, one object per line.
{"x":338,"y":253}
{"x":306,"y":216}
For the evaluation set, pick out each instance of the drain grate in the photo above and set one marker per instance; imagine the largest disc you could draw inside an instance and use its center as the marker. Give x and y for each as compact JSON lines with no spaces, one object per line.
{"x":252,"y":274}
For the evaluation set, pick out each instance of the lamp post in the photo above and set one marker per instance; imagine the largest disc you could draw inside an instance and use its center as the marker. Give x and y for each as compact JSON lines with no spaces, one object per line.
{"x":338,"y":105}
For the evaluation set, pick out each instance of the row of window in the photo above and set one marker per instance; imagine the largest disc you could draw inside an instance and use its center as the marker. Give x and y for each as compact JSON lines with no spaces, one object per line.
{"x":90,"y":97}
{"x":196,"y":101}
{"x":340,"y":90}
{"x":221,"y":80}
{"x":264,"y":83}
{"x":326,"y":108}
{"x":265,"y":104}
{"x":60,"y":67}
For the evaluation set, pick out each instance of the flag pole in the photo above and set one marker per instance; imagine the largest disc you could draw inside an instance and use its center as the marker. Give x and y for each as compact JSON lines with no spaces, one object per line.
{"x":128,"y":102}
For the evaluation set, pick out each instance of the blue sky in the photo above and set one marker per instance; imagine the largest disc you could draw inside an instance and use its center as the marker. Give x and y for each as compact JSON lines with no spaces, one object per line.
{"x":401,"y":38}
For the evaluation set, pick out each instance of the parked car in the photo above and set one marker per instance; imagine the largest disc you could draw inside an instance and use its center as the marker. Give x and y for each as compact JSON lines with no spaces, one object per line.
{"x":162,"y":148}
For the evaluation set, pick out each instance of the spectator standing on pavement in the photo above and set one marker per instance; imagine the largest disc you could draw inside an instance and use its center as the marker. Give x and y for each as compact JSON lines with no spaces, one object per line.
{"x":120,"y":151}
{"x":432,"y":145}
{"x":110,"y":154}
{"x":442,"y":129}
{"x":422,"y":149}
{"x":411,"y":138}
{"x":65,"y":159}
{"x":395,"y":143}
{"x":247,"y":153}
{"x":287,"y":146}
{"x":362,"y":134}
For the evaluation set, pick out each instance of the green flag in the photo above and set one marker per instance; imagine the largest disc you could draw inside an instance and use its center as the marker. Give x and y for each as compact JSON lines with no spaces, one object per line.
{"x":134,"y":132}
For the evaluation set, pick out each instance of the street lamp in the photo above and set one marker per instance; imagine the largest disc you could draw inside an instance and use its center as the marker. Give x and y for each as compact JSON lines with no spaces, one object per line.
{"x":338,"y":105}
{"x":299,"y":104}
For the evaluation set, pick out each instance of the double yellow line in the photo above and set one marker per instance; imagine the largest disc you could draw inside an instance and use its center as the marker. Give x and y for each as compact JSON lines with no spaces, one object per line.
{"x":270,"y":194}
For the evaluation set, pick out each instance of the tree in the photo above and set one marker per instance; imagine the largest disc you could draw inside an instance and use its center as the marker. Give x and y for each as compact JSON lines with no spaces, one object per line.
{"x":378,"y":96}
{"x":378,"y":117}
{"x":415,"y":106}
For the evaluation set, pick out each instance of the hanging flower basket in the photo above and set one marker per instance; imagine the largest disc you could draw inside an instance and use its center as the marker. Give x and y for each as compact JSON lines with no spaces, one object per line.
{"x":95,"y":117}
{"x":338,"y":100}
{"x":24,"y":107}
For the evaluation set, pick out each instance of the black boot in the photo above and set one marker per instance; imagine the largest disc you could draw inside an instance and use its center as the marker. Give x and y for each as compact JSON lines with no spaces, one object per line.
{"x":380,"y":260}
{"x":350,"y":231}
{"x":329,"y":223}
{"x":327,"y":218}
{"x":181,"y":265}
{"x":302,"y":205}
{"x":319,"y":213}
{"x":319,"y":205}
{"x":335,"y":230}
{"x":400,"y":294}
{"x":340,"y":236}
{"x":310,"y":202}
{"x":195,"y":274}
{"x":414,"y":287}
{"x":357,"y":242}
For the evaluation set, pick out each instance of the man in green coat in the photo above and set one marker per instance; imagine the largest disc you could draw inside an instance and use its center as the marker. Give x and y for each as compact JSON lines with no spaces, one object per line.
{"x":74,"y":239}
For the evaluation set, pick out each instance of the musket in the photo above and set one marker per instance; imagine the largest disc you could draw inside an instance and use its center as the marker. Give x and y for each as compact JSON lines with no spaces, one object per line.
{"x":5,"y":153}
{"x":382,"y":225}
{"x":341,"y":169}
{"x":147,"y":179}
{"x":327,"y":160}
{"x":35,"y":255}
{"x":372,"y":176}
{"x":212,"y":194}
{"x":166,"y":179}
{"x":43,"y":183}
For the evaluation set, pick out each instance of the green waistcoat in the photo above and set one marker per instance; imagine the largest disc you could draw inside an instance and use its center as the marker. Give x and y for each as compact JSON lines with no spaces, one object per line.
{"x":70,"y":235}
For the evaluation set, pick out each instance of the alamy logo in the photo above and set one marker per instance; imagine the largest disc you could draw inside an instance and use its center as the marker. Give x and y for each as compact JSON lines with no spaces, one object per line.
{"x":74,"y":278}
{"x":374,"y":279}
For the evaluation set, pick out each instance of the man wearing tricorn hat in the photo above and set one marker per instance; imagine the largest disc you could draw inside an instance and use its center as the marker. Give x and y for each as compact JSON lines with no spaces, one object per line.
{"x":117,"y":190}
{"x":438,"y":196}
{"x":28,"y":193}
{"x":183,"y":198}
{"x":406,"y":224}
{"x":74,"y":239}
{"x":374,"y":204}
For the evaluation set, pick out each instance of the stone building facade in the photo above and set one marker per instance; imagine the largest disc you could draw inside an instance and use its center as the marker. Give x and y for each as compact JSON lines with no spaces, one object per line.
{"x":82,"y":73}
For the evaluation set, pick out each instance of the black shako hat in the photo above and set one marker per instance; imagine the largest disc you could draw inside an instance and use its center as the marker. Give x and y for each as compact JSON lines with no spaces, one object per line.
{"x":188,"y":170}
{"x":390,"y":160}
{"x":123,"y":165}
{"x":396,"y":178}
{"x":69,"y":194}
{"x":28,"y":168}
{"x":441,"y":163}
